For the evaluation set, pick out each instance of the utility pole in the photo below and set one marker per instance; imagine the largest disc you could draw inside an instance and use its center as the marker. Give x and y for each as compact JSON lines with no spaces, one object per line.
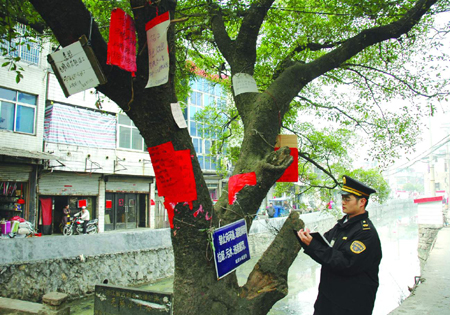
{"x":432,"y":179}
{"x":446,"y":127}
{"x":447,"y":162}
{"x":431,"y":165}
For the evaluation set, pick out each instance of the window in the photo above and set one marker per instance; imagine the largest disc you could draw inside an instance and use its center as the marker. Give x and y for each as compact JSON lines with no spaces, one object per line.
{"x":192,"y":111}
{"x":21,"y":46}
{"x":196,"y":98}
{"x":204,"y":93}
{"x":17,"y":111}
{"x":198,"y":145}
{"x":209,"y":100}
{"x":129,"y":136}
{"x":193,"y":128}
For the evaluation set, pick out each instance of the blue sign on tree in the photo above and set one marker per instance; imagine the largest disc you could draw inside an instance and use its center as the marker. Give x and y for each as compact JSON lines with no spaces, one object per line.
{"x":230,"y":247}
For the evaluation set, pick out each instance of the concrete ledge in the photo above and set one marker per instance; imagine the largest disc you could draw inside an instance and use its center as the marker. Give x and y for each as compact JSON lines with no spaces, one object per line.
{"x":56,"y":247}
{"x":11,"y":306}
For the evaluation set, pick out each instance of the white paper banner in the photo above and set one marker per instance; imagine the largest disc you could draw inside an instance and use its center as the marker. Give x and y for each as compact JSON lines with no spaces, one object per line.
{"x":158,"y":54}
{"x":244,"y":83}
{"x":75,"y":68}
{"x":178,"y":115}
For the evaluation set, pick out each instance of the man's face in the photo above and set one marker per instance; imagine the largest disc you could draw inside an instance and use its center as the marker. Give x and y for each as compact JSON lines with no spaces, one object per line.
{"x":353,"y":206}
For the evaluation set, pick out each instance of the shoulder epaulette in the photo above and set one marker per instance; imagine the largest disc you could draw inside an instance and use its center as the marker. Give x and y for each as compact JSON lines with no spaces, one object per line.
{"x":365,"y":225}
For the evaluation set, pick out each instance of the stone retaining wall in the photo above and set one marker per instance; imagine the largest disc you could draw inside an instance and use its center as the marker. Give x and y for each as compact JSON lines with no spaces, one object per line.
{"x":427,"y":237}
{"x":78,"y":276}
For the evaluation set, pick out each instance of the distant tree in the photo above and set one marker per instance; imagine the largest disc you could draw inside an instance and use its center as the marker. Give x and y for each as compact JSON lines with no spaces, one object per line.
{"x":413,"y":187}
{"x":305,"y":55}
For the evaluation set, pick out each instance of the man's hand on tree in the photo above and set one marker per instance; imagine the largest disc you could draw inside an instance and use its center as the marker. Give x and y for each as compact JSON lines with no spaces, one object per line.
{"x":305,"y":237}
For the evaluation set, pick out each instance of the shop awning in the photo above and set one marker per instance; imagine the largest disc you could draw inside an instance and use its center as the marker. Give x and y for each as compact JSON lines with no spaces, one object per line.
{"x":27,"y":154}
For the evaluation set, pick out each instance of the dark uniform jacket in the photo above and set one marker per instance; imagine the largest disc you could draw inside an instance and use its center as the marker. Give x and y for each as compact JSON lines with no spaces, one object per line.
{"x":349,"y":276}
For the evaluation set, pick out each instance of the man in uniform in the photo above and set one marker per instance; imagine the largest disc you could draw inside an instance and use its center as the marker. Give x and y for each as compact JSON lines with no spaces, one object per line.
{"x":349,"y":275}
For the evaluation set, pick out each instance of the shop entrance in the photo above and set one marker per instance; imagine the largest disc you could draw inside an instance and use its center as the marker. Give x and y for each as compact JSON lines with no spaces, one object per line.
{"x":51,"y":210}
{"x":121,"y":211}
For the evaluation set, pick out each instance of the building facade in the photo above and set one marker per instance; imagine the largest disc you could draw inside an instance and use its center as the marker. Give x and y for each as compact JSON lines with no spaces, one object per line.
{"x":57,"y":151}
{"x":22,"y":107}
{"x":204,"y":95}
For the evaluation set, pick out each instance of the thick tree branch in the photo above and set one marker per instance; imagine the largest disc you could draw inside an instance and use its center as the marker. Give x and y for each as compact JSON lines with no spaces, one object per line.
{"x":69,"y":20}
{"x":249,"y":31}
{"x":223,"y":40}
{"x":311,"y":47}
{"x":240,"y":53}
{"x":295,"y":77}
{"x":267,"y":171}
{"x":265,"y":283}
{"x":38,"y":27}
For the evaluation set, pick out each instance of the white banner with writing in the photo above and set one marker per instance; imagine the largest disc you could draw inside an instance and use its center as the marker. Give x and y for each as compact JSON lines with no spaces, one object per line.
{"x":158,"y":53}
{"x":75,"y":68}
{"x":244,"y":83}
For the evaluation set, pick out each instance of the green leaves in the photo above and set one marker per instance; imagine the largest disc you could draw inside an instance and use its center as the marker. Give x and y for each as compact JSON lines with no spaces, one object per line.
{"x":376,"y":97}
{"x":12,"y":64}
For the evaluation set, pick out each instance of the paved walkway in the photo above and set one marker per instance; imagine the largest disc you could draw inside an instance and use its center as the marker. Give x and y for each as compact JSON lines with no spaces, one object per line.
{"x":433,"y":295}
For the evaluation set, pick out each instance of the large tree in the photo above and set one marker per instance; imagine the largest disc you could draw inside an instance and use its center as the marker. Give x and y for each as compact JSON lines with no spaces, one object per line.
{"x":301,"y":52}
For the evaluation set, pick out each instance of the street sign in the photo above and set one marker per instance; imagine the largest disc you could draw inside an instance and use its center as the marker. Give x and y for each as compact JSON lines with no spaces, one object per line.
{"x":230,"y":247}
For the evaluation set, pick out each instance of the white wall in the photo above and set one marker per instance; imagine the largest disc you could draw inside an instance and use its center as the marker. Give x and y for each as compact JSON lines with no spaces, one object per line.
{"x":86,"y":98}
{"x":112,"y":161}
{"x":33,"y":82}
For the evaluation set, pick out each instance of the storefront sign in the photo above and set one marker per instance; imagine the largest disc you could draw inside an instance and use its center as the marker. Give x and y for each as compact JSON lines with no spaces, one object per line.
{"x":230,"y":247}
{"x":82,"y":203}
{"x":429,"y":211}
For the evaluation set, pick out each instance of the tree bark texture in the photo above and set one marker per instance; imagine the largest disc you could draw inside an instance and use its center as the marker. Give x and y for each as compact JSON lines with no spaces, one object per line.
{"x":196,"y":289}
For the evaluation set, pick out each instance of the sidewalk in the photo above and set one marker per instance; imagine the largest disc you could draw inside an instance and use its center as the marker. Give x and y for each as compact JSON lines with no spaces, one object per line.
{"x":433,"y":295}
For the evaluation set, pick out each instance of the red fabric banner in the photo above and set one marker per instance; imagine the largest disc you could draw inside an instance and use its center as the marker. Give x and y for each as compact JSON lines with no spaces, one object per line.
{"x":174,"y":176}
{"x":185,"y":181}
{"x":46,"y":210}
{"x":122,"y":41}
{"x":170,"y":207}
{"x":237,"y":182}
{"x":291,"y":173}
{"x":163,"y":161}
{"x":157,"y":20}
